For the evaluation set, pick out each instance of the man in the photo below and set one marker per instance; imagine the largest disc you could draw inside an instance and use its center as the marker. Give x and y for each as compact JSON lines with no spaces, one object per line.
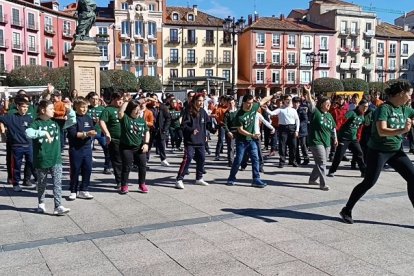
{"x":244,"y":121}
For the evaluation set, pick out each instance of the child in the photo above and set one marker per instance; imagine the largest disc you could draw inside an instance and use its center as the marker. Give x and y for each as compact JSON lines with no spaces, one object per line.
{"x":134,"y":143}
{"x":20,"y":145}
{"x":47,"y":156}
{"x":80,"y":138}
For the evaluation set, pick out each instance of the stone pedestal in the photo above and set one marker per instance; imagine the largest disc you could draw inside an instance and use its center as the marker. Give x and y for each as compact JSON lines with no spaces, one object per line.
{"x":84,"y":61}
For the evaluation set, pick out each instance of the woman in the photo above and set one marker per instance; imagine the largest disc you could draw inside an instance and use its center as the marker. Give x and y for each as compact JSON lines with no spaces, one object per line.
{"x":390,"y":121}
{"x":195,"y":123}
{"x":323,"y":127}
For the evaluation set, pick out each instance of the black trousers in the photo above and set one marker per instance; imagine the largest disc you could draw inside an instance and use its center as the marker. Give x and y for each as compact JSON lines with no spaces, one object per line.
{"x":191,"y":152}
{"x":287,"y":139}
{"x":302,"y":147}
{"x":356,"y":150}
{"x":116,"y":160}
{"x":375,"y":162}
{"x":160,"y":144}
{"x":131,"y":156}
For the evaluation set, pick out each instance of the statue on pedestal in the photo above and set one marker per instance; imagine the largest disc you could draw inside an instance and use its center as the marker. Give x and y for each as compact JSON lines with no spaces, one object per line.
{"x":86,"y":18}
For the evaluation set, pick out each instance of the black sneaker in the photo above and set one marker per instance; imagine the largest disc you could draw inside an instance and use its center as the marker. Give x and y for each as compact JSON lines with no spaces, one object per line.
{"x":346,"y":216}
{"x":280,"y":165}
{"x":295,"y":164}
{"x":305,"y":162}
{"x":107,"y":171}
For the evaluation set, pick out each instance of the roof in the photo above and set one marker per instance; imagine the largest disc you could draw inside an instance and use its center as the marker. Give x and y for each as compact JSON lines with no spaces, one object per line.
{"x":201,"y":19}
{"x":288,"y":24}
{"x":338,"y":2}
{"x":408,"y":14}
{"x":387,"y":30}
{"x":303,"y":12}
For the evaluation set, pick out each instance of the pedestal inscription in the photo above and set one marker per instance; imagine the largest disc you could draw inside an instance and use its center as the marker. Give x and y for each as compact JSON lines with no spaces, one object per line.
{"x":87,"y":80}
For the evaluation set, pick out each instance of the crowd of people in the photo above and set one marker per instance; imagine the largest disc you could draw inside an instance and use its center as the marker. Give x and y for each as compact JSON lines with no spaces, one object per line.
{"x":296,"y":127}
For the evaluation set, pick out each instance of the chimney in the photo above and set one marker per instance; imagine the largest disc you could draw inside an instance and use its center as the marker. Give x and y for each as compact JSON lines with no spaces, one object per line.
{"x":55,"y":5}
{"x":282,"y":16}
{"x":406,"y":28}
{"x":379,"y":21}
{"x":273,"y":16}
{"x":256,"y":17}
{"x":195,"y":9}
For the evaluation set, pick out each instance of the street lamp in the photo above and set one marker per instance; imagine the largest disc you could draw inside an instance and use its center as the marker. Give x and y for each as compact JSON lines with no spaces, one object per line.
{"x":233,"y":27}
{"x":313,"y":58}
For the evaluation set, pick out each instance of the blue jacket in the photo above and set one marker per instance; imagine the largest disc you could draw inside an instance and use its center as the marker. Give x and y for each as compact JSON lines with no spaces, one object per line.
{"x":16,"y":128}
{"x":83,"y":124}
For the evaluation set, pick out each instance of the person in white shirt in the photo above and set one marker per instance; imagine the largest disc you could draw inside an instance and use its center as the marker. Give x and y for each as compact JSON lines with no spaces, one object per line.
{"x":288,"y":130}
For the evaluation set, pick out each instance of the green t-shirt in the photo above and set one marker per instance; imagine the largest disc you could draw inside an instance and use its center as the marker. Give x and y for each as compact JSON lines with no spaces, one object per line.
{"x":110,"y":116}
{"x":349,"y":130}
{"x":395,"y":118}
{"x":246,"y":120}
{"x":95,"y":114}
{"x":322,"y":125}
{"x":132,"y":131}
{"x":175,"y":118}
{"x":45,"y":154}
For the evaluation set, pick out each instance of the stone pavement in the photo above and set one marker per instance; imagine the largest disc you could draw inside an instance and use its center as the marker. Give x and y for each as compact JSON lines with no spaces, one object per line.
{"x":288,"y":228}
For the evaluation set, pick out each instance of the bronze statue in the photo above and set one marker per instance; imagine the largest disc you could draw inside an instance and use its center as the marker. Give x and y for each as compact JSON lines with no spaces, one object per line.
{"x":86,"y":18}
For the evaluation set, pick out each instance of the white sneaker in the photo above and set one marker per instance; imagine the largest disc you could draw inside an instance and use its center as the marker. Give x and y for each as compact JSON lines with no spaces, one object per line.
{"x":94,"y":159}
{"x":41,"y":208}
{"x":85,"y":195}
{"x":72,"y":196}
{"x":17,"y":188}
{"x":165,"y":163}
{"x":179,"y":184}
{"x":201,"y":182}
{"x":60,"y":211}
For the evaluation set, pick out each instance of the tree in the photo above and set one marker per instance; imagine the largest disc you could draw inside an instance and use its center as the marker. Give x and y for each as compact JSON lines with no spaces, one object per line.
{"x":324,"y":85}
{"x":31,"y":75}
{"x":121,"y":80}
{"x":354,"y":84}
{"x":377,"y":86}
{"x":105,"y":81}
{"x":150,"y":83}
{"x":60,"y":79}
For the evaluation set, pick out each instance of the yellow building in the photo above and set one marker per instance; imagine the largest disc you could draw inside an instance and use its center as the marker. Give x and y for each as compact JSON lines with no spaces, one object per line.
{"x":195,"y":45}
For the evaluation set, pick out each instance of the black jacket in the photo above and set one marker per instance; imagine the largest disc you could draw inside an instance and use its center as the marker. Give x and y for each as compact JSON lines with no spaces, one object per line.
{"x":201,"y":122}
{"x":162,"y":121}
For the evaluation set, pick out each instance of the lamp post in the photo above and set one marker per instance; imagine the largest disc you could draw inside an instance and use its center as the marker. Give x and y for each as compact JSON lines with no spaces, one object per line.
{"x":233,"y":26}
{"x":313,"y":58}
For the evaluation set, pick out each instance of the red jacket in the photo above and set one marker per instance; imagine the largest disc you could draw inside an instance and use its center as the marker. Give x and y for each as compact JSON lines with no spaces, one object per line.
{"x":338,"y":113}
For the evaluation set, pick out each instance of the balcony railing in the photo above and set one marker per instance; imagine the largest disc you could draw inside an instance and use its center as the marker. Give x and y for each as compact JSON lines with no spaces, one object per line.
{"x":49,"y":29}
{"x":16,"y":23}
{"x":17,"y":46}
{"x":344,"y":32}
{"x":172,"y":40}
{"x":102,"y":38}
{"x":173,"y":60}
{"x":138,"y":36}
{"x":224,"y":61}
{"x":209,"y":61}
{"x":379,"y":68}
{"x":305,"y":64}
{"x":392,"y":54}
{"x":105,"y":58}
{"x":139,"y":58}
{"x":124,"y":36}
{"x":152,"y":36}
{"x":34,"y":49}
{"x":392,"y":68}
{"x":344,"y":66}
{"x":4,"y":43}
{"x":3,"y":19}
{"x":369,"y":33}
{"x":152,"y":58}
{"x":275,"y":63}
{"x":324,"y":65}
{"x":354,"y":32}
{"x":404,"y":67}
{"x":292,"y":63}
{"x":323,"y":48}
{"x":368,"y":67}
{"x":191,"y":41}
{"x":190,"y":61}
{"x":208,"y":41}
{"x":50,"y":52}
{"x":355,"y":66}
{"x":368,"y":51}
{"x":343,"y":50}
{"x":225,"y":42}
{"x":67,"y":33}
{"x":307,"y":46}
{"x":380,"y":52}
{"x":355,"y":49}
{"x":259,"y":62}
{"x":404,"y":53}
{"x":32,"y":26}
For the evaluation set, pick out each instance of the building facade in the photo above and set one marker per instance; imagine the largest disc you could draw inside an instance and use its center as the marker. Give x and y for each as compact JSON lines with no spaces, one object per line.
{"x":195,"y":45}
{"x":275,"y":55}
{"x":406,"y":21}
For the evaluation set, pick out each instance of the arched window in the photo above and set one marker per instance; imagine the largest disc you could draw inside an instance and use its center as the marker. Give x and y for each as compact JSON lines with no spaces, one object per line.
{"x":191,"y":17}
{"x":175,"y":16}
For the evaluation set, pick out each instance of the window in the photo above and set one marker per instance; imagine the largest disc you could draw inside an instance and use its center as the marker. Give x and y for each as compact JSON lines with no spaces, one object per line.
{"x":292,"y":58}
{"x":190,"y":72}
{"x":342,"y":76}
{"x":226,"y":74}
{"x":392,"y":64}
{"x":292,"y":41}
{"x":31,"y":20}
{"x":191,"y":36}
{"x":323,"y":59}
{"x":343,"y":59}
{"x":173,"y":73}
{"x":152,"y":51}
{"x":139,"y":50}
{"x":343,"y":43}
{"x":260,"y":39}
{"x":175,"y":16}
{"x":275,"y":76}
{"x":260,"y":76}
{"x":66,"y":27}
{"x":323,"y":74}
{"x":276,"y":58}
{"x":174,"y":55}
{"x":67,"y":46}
{"x":260,"y":57}
{"x":380,"y":48}
{"x":276,"y":40}
{"x":191,"y":56}
{"x":48,"y":24}
{"x":152,"y":70}
{"x":368,"y":44}
{"x":344,"y":27}
{"x":139,"y":70}
{"x":306,"y":42}
{"x":32,"y":61}
{"x":32,"y":43}
{"x":227,"y":56}
{"x":291,"y":77}
{"x":125,"y":67}
{"x":324,"y":43}
{"x":103,"y":30}
{"x":391,"y":76}
{"x":2,"y":65}
{"x":49,"y":44}
{"x":353,"y":75}
{"x":393,"y":48}
{"x":174,"y":35}
{"x":16,"y":40}
{"x":49,"y":63}
{"x":404,"y":49}
{"x":124,"y":6}
{"x":354,"y":43}
{"x":368,"y":26}
{"x":16,"y":17}
{"x":102,"y":68}
{"x":152,"y":29}
{"x":209,"y":36}
{"x":305,"y":77}
{"x":304,"y":60}
{"x":354,"y":28}
{"x":210,"y":56}
{"x":104,"y":50}
{"x":125,"y":28}
{"x":151,"y":7}
{"x":209,"y":73}
{"x":191,"y":17}
{"x":125,"y":50}
{"x":380,"y":63}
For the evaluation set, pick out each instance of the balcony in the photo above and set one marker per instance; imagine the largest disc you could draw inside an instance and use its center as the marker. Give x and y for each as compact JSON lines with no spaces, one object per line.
{"x":139,"y":58}
{"x":17,"y":46}
{"x":392,"y":54}
{"x":225,"y":42}
{"x":354,"y":32}
{"x":190,"y":61}
{"x":152,"y":36}
{"x":306,"y":46}
{"x":259,"y":62}
{"x":124,"y":36}
{"x":16,"y":23}
{"x":355,"y":66}
{"x":32,"y":26}
{"x":380,"y":52}
{"x":368,"y":51}
{"x":369,"y":33}
{"x":172,"y":40}
{"x":153,"y":58}
{"x":209,"y":41}
{"x":105,"y":58}
{"x":392,"y":68}
{"x":343,"y":50}
{"x":379,"y":68}
{"x":126,"y":58}
{"x":404,"y":53}
{"x":67,"y":33}
{"x":33,"y":49}
{"x":275,"y":63}
{"x":3,"y":19}
{"x":305,"y":64}
{"x":324,"y":65}
{"x":209,"y":61}
{"x":191,"y":42}
{"x":4,"y":68}
{"x":368,"y":67}
{"x":173,"y":60}
{"x":225,"y":62}
{"x":292,"y":63}
{"x":50,"y":52}
{"x":404,"y":67}
{"x":49,"y":29}
{"x":344,"y":66}
{"x":344,"y":32}
{"x":102,"y":38}
{"x":4,"y":43}
{"x":355,"y":50}
{"x":323,"y":48}
{"x":138,"y":36}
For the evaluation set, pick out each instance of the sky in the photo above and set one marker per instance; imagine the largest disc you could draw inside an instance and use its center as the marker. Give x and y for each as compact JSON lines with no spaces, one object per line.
{"x":237,"y":8}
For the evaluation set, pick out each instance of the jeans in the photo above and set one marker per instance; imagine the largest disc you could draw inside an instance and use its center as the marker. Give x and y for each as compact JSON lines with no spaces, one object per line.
{"x":56,"y":172}
{"x":80,"y":163}
{"x":102,"y":142}
{"x":375,"y":162}
{"x":18,"y":152}
{"x":259,"y":154}
{"x":190,"y":153}
{"x":241,"y":148}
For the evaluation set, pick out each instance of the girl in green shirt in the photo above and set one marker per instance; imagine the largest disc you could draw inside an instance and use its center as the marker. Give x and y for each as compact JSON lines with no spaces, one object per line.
{"x":390,"y":121}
